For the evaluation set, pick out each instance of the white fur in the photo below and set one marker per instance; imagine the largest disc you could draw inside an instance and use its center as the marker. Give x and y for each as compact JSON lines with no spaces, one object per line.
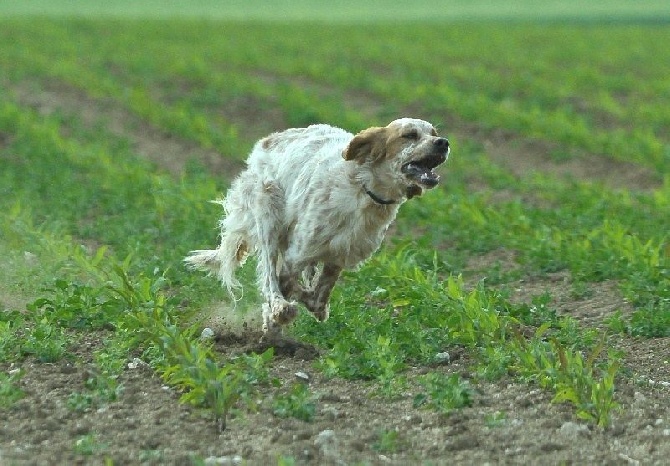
{"x":304,"y":211}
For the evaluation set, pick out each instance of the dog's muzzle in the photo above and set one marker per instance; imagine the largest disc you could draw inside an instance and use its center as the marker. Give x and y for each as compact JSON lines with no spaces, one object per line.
{"x":422,"y":170}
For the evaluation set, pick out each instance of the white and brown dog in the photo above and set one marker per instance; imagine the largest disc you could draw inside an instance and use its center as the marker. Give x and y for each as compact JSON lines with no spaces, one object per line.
{"x":314,"y":201}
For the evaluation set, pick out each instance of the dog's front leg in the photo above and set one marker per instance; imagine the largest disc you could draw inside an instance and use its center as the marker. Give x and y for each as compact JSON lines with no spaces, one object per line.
{"x":317,"y":300}
{"x":291,"y":285}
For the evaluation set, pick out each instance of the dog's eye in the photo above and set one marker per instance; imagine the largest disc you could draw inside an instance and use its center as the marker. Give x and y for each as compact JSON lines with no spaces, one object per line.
{"x":411,"y":134}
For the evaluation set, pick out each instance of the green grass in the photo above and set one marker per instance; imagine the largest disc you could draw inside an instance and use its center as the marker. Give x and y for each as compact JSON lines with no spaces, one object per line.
{"x":9,"y":388}
{"x":92,"y":234}
{"x":346,"y":10}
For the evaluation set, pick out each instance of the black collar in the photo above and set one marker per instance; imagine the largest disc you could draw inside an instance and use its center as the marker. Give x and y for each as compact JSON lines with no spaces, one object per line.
{"x":378,"y":199}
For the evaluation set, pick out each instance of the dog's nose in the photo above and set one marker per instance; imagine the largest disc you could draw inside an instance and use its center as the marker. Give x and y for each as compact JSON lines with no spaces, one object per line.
{"x":442,"y":143}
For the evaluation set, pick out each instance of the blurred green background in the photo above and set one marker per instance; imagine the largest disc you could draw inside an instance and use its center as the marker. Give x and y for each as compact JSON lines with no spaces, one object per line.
{"x":350,"y":10}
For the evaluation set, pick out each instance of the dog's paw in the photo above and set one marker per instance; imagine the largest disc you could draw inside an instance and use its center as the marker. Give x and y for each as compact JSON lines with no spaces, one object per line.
{"x":284,"y":312}
{"x":278,"y":313}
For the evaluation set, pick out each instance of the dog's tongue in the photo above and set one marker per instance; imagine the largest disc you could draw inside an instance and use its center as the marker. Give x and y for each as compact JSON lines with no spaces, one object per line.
{"x":423,"y":175}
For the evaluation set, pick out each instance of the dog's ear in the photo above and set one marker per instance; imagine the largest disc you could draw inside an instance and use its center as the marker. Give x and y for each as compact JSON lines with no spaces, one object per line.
{"x":369,"y":144}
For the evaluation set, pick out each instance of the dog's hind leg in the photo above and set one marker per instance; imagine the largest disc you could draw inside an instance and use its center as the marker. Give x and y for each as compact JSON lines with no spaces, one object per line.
{"x":269,"y":215}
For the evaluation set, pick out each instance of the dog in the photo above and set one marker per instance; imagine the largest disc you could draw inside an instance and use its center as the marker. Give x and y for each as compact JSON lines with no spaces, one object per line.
{"x":314,"y":201}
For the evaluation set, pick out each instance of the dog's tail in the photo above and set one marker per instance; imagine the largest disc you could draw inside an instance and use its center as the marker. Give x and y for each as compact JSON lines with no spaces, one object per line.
{"x":222,"y":262}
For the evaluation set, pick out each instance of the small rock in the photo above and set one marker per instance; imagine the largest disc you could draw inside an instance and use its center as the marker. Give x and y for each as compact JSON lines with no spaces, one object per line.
{"x":617,"y":430}
{"x":442,"y":358}
{"x":224,"y":460}
{"x":639,"y":398}
{"x":81,"y":428}
{"x":666,"y":432}
{"x":326,"y":442}
{"x":207,"y":333}
{"x":658,"y":421}
{"x":302,"y":376}
{"x":513,"y":451}
{"x":135,"y":363}
{"x":572,"y":429}
{"x":413,"y":419}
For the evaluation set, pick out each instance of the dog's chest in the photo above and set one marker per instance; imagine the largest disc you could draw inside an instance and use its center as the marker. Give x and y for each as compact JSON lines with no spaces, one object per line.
{"x":340,"y":235}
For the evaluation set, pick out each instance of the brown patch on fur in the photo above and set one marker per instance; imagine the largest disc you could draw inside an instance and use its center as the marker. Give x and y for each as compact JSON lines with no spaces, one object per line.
{"x":395,"y":141}
{"x":369,"y":144}
{"x":242,"y":252}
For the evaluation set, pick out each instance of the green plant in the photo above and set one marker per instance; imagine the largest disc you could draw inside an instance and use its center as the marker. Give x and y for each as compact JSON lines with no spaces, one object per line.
{"x":182,"y":360}
{"x":297,"y":403}
{"x":46,"y":341}
{"x":589,"y":386}
{"x":10,"y":392}
{"x":651,"y":321}
{"x":495,"y":419}
{"x":88,"y":445}
{"x":80,"y":402}
{"x":388,"y":441}
{"x":616,"y":322}
{"x":153,"y":456}
{"x":103,"y":387}
{"x":286,"y":461}
{"x":578,"y":384}
{"x":444,"y":393}
{"x":73,"y":305}
{"x":10,"y":336}
{"x":581,"y":290}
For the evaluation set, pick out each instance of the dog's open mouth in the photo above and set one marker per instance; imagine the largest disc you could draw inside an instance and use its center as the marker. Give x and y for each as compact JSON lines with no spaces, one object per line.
{"x":422,"y":171}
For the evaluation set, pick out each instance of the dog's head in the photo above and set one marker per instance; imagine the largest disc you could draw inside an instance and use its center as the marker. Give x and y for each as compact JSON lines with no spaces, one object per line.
{"x":401,"y":156}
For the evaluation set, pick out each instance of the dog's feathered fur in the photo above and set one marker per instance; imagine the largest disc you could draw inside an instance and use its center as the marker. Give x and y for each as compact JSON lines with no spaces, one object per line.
{"x":314,"y":201}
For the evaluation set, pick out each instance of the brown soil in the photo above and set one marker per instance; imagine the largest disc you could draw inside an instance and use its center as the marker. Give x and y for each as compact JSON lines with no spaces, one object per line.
{"x":147,"y":424}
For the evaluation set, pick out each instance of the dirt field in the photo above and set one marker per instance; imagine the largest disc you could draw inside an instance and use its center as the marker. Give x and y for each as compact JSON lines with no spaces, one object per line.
{"x":509,"y":422}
